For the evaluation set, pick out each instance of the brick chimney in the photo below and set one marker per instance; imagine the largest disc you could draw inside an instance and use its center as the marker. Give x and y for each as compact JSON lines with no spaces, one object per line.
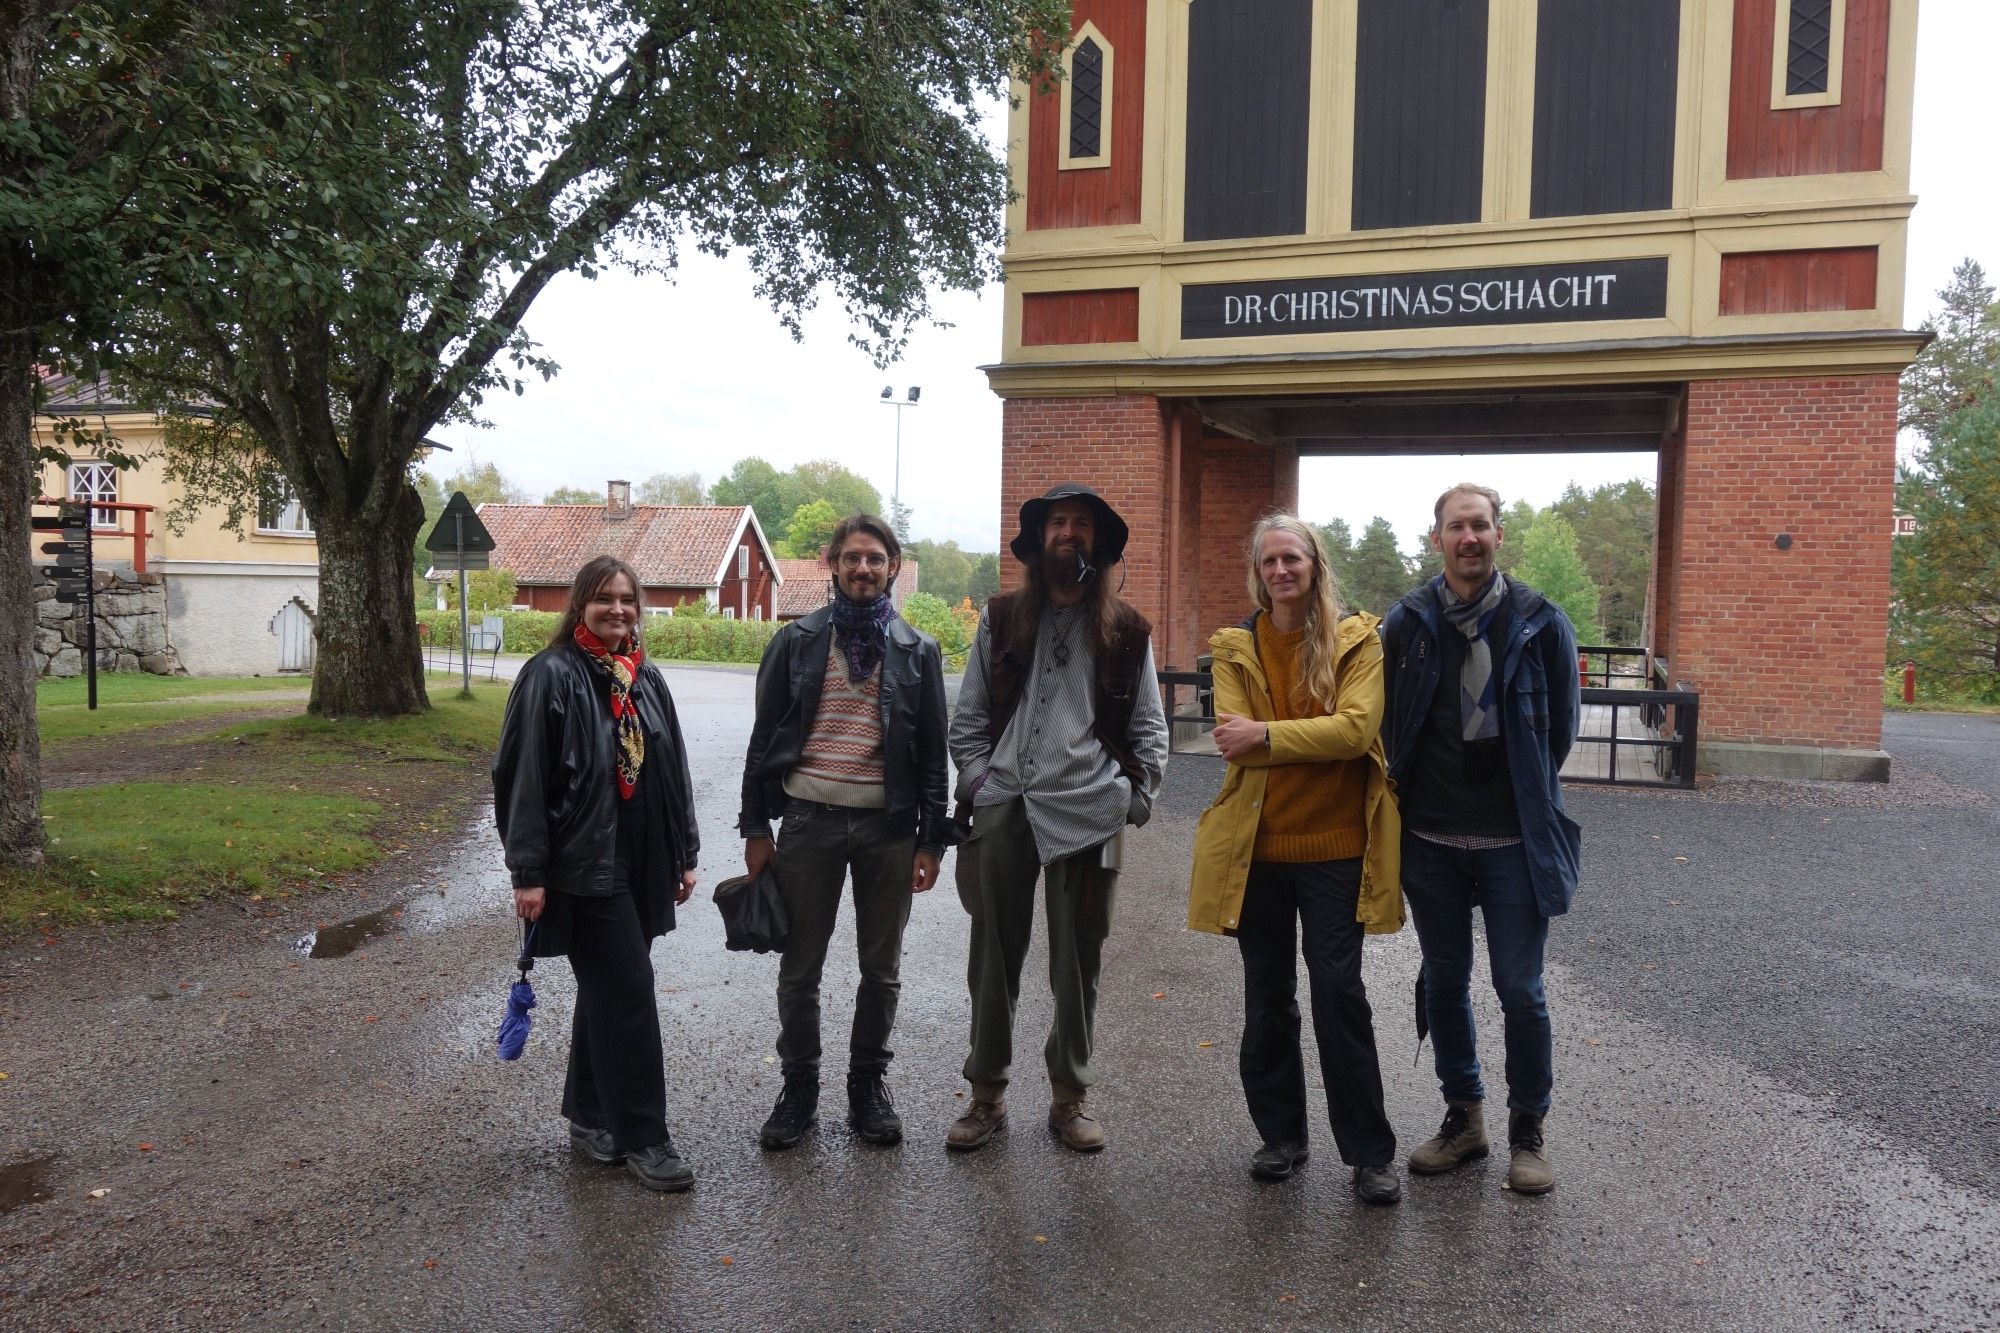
{"x":617,"y":501}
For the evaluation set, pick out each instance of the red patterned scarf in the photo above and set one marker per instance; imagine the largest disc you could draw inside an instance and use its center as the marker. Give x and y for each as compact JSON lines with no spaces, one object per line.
{"x":621,"y":669}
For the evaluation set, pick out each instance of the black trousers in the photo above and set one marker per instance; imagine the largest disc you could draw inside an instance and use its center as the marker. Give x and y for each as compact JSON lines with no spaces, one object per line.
{"x":1320,"y":897}
{"x":617,"y":1072}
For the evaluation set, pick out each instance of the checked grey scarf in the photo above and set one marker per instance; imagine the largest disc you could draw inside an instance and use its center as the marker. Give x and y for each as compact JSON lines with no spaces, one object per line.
{"x":1477,"y":685}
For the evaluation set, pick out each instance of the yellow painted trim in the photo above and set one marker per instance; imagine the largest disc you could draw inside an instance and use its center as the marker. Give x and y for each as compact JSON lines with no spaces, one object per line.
{"x":1781,"y":48}
{"x":1507,"y":171}
{"x":1330,"y":154}
{"x":1687,"y":106}
{"x":1172,"y":125}
{"x":1872,"y":352}
{"x":1106,"y":90}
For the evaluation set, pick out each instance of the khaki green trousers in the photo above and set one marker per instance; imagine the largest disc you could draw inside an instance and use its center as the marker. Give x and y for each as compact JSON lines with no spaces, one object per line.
{"x":1000,"y":894}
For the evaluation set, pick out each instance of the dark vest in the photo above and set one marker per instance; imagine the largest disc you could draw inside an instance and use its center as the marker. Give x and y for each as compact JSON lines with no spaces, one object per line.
{"x":1012,"y":625}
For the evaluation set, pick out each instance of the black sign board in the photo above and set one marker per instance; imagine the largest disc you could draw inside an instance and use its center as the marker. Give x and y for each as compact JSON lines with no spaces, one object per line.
{"x":65,"y":548}
{"x":67,"y":567}
{"x":458,"y":528}
{"x":1467,"y":297}
{"x":72,"y":594}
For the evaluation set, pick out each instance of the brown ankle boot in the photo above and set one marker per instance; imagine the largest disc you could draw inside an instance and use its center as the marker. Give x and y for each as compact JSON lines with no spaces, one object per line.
{"x":1529,"y":1172}
{"x":1460,"y":1139}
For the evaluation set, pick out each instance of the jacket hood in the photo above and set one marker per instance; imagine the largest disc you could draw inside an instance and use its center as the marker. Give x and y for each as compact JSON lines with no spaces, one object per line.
{"x":1241,"y":638}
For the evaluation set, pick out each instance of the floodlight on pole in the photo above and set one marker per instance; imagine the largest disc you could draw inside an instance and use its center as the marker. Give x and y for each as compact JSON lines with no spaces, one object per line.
{"x":889,"y":399}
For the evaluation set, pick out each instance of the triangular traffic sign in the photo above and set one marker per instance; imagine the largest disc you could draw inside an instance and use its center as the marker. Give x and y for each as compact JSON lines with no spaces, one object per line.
{"x":459,"y":524}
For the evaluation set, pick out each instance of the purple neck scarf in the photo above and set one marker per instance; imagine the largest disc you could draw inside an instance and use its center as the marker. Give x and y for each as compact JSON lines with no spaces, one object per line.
{"x":862,"y":631}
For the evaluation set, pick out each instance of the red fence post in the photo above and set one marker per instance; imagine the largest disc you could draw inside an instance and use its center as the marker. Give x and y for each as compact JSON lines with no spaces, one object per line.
{"x":1583,"y":670}
{"x":1909,"y":682}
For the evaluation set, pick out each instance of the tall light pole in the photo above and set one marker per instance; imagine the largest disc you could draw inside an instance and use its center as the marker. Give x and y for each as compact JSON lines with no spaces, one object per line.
{"x":889,"y":399}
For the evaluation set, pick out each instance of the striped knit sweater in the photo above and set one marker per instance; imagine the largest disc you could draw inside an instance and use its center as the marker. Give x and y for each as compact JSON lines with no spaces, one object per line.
{"x":841,"y":762}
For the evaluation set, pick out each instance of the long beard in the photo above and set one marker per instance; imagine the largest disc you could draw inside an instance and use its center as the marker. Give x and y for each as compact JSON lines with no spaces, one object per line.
{"x":1064,"y":569}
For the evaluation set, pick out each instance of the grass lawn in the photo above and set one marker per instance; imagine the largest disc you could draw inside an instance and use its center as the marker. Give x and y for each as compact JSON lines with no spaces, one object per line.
{"x":264,"y":807}
{"x":133,"y":702}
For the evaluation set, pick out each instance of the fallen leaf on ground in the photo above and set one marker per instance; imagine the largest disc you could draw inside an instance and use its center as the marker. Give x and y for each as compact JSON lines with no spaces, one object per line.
{"x":371,"y":1018}
{"x":430,"y":1263}
{"x":1593,"y":1041}
{"x":98,"y":1194}
{"x":728,"y":1262}
{"x":239,"y":995}
{"x":1682,"y":859}
{"x":1288,"y":1298}
{"x":1041,"y":1240}
{"x":1204,"y":1045}
{"x":145,"y":1147}
{"x":1159,"y":995}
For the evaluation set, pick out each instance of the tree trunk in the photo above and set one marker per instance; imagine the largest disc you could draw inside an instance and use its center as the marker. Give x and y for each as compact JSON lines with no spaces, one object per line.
{"x":20,"y":736}
{"x":370,"y":662}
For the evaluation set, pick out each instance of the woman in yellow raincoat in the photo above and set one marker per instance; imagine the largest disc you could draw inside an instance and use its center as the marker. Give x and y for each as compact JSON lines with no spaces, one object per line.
{"x":1302,"y":843}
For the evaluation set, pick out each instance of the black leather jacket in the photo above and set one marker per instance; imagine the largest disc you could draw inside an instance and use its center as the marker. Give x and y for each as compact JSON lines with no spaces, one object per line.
{"x":915,"y":770}
{"x":555,"y":792}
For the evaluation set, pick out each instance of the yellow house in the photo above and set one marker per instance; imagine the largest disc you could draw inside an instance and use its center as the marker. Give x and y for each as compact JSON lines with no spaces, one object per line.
{"x":236,"y":603}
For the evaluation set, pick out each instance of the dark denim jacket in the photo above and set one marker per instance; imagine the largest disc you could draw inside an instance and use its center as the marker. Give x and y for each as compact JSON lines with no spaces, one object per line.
{"x":915,"y":770}
{"x":1540,"y":702}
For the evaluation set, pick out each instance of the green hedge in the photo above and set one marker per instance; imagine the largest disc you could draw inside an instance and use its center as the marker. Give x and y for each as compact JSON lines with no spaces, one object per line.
{"x":677,"y":638}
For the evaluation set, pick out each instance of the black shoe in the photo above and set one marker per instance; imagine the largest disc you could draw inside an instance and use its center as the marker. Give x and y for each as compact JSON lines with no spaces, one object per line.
{"x":797,"y":1108}
{"x":1277,"y":1161}
{"x":660,"y":1168}
{"x":869,"y":1110}
{"x":597,"y":1142}
{"x":1377,"y":1184}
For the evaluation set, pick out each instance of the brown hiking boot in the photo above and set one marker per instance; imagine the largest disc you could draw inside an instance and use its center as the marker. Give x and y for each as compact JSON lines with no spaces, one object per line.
{"x":1460,"y":1139}
{"x":976,"y":1126}
{"x":1075,"y":1126}
{"x":1529,"y":1172}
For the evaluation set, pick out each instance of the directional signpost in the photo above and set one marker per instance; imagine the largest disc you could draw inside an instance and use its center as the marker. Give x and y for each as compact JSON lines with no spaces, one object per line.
{"x":460,"y":541}
{"x":73,"y":571}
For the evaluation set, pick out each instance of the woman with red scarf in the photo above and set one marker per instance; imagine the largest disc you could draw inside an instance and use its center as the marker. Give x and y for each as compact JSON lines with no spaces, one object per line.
{"x":591,"y":791}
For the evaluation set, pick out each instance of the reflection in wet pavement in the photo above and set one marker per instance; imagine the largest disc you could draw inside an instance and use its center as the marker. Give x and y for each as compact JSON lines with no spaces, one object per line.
{"x":25,"y":1182}
{"x":337,"y":941}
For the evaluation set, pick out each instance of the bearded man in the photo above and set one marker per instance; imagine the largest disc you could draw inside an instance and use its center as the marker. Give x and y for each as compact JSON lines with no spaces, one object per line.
{"x":848,"y":747}
{"x":1060,"y":742}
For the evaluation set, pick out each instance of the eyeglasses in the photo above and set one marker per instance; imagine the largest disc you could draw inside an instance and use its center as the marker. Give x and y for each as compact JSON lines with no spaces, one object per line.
{"x":863,"y":560}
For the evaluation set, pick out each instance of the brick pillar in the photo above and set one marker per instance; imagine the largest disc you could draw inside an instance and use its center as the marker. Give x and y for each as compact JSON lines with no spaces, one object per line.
{"x":1240,"y":483}
{"x":1786,"y":646}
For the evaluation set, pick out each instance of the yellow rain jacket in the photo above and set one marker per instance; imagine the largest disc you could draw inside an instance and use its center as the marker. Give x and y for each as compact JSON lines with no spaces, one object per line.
{"x":1224,"y":839}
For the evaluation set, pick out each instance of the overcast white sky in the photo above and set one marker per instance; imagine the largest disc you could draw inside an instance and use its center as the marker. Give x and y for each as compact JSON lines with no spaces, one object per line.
{"x":695,"y":374}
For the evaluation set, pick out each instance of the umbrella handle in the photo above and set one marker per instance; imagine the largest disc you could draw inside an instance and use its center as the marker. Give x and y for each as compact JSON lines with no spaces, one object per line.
{"x":526,"y":962}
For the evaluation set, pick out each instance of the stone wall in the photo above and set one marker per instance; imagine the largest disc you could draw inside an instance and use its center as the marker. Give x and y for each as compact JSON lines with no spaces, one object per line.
{"x":131,"y":627}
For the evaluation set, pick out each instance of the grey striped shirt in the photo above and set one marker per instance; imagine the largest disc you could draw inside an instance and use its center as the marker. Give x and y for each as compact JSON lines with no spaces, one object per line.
{"x":1076,"y":794}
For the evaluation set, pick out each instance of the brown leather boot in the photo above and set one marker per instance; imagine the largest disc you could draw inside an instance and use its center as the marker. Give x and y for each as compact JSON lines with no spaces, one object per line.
{"x":1529,"y":1172}
{"x":1075,"y":1126}
{"x":977,"y":1126}
{"x":1460,"y":1139}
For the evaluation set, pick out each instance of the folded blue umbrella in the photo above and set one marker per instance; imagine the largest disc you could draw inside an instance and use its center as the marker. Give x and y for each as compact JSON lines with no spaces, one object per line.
{"x":516,"y":1021}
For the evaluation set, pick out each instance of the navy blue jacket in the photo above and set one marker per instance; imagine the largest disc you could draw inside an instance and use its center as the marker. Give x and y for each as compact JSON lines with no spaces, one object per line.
{"x":1540,"y":704}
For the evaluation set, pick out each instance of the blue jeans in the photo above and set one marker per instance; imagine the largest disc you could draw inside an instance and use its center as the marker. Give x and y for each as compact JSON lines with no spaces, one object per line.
{"x":1443,"y":885}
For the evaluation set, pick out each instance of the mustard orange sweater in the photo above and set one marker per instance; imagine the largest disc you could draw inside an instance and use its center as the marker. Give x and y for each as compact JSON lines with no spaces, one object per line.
{"x":1312,"y":812}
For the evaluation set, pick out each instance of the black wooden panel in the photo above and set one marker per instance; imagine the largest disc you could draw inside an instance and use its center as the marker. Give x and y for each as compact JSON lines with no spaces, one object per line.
{"x":1419,"y":112}
{"x":1605,"y":106}
{"x":1249,"y":67}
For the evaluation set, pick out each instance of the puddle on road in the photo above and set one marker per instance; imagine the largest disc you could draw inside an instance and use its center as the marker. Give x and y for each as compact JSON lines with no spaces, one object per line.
{"x":23,"y":1183}
{"x":337,"y":941}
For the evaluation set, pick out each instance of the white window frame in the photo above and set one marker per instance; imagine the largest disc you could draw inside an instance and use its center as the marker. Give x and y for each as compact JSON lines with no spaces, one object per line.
{"x":1781,"y":50}
{"x":302,"y":525}
{"x":98,"y":482}
{"x":1064,"y":161}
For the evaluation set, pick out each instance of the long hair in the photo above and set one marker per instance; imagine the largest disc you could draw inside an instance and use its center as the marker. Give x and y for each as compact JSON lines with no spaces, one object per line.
{"x":1317,"y":682}
{"x":1100,"y":604}
{"x":595,"y":573}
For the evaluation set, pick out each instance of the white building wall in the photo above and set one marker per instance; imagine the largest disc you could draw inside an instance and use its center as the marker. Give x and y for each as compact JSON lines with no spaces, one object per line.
{"x":219,"y":612}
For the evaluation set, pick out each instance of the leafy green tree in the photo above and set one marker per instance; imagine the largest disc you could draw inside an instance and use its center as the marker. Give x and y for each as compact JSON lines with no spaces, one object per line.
{"x":1551,"y":565}
{"x":1338,"y":538}
{"x":673,"y":488}
{"x":1959,"y":366}
{"x":452,"y":164}
{"x":572,"y":495}
{"x":810,"y":528}
{"x":932,"y":615}
{"x":754,"y":482}
{"x":1614,"y":533}
{"x":1946,"y":575}
{"x":1515,"y":522}
{"x":985,"y":581}
{"x":945,"y":571}
{"x":824,"y":479}
{"x":1378,"y":574}
{"x":485,"y":589}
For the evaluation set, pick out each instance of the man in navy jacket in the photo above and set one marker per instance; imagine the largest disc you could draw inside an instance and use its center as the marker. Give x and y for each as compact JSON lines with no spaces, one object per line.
{"x":1482,"y":707}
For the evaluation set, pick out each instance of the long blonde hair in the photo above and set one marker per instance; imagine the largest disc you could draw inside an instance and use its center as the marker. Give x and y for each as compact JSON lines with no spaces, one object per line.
{"x":1317,"y":682}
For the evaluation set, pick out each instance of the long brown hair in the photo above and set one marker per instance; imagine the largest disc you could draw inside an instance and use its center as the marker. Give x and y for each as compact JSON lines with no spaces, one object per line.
{"x":1318,"y":677}
{"x":595,"y":573}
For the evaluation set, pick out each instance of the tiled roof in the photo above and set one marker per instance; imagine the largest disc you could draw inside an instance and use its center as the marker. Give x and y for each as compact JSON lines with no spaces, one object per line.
{"x":671,"y":546}
{"x":804,"y":590}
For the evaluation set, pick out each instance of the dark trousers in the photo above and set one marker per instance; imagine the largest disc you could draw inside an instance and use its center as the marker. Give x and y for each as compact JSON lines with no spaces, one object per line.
{"x":617,"y":1073}
{"x":1444,"y":886}
{"x":817,"y":846}
{"x":1321,"y":897}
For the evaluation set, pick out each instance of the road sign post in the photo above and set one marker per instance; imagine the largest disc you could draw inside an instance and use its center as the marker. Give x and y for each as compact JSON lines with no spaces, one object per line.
{"x":460,"y":541}
{"x":74,"y":573}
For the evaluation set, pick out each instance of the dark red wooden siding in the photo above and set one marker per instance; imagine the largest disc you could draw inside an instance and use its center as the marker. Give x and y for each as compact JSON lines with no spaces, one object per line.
{"x":1093,"y":196}
{"x":1807,"y":141}
{"x":1775,"y":282}
{"x":1052,"y":318}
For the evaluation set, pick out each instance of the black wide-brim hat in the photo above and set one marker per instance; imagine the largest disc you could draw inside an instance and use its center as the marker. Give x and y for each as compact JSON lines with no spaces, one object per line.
{"x":1112,"y":533}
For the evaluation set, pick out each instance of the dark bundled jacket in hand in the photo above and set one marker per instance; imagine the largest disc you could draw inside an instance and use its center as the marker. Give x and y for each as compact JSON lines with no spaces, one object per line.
{"x":915,"y":770}
{"x":555,"y":786}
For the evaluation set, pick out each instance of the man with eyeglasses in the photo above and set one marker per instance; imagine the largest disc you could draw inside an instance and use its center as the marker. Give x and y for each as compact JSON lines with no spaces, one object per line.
{"x":848,"y":750}
{"x":1060,"y":741}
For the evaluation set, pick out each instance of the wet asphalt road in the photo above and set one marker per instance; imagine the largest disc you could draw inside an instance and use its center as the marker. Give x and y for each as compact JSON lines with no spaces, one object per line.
{"x":1776,"y":1065}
